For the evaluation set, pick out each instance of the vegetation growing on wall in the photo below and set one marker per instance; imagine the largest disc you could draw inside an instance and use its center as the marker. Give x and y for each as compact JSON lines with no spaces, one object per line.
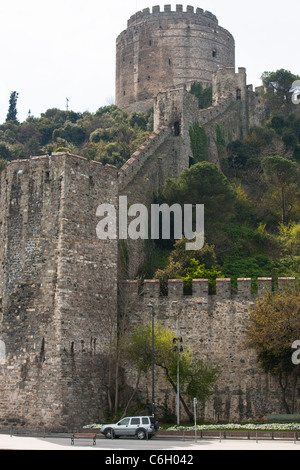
{"x":204,"y":95}
{"x":199,"y":143}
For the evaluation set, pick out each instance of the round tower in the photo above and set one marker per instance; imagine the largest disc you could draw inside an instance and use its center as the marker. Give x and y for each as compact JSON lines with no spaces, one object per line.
{"x":163,"y":49}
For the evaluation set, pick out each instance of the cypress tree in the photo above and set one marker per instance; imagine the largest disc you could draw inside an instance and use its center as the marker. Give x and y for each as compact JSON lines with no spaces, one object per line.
{"x":12,"y":110}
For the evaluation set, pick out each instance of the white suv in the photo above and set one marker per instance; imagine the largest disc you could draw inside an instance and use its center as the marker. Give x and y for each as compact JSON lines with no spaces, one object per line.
{"x":143,"y":427}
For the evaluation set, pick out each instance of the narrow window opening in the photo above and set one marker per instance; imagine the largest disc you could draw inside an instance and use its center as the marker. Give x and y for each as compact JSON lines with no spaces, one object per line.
{"x":238,"y":94}
{"x":72,"y":347}
{"x":150,"y":43}
{"x":47,"y":176}
{"x":214,"y":53}
{"x":170,"y":62}
{"x":176,"y":128}
{"x":42,"y":353}
{"x":82,"y":346}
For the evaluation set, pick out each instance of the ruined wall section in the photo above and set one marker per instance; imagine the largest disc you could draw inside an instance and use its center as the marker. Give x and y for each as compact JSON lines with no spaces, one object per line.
{"x":161,"y":49}
{"x":214,"y":327}
{"x":56,"y":278}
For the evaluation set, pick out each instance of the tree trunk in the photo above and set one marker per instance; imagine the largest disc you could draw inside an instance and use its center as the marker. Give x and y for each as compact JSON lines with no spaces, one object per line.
{"x":188,"y":412}
{"x":110,"y":405}
{"x":133,"y":394}
{"x":117,"y":387}
{"x":283,"y":388}
{"x":283,"y":205}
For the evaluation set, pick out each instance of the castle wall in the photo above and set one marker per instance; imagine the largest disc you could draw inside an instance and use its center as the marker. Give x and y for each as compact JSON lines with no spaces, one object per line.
{"x":161,"y":49}
{"x":214,"y":327}
{"x":59,"y":291}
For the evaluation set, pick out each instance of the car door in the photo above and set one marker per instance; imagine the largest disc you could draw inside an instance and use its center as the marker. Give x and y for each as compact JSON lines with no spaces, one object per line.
{"x":134,"y":425}
{"x":122,"y":427}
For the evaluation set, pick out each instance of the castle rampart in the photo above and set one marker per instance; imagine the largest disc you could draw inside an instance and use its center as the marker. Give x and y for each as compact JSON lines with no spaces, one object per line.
{"x":151,"y":288}
{"x":213,"y":326}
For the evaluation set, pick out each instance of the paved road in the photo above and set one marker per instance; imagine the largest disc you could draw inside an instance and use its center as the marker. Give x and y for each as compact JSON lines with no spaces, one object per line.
{"x":152,"y":447}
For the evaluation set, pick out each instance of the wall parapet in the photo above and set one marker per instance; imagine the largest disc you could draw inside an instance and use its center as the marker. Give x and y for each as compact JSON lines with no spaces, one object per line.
{"x":25,"y":163}
{"x":146,"y":150}
{"x":151,"y":288}
{"x":190,"y":11}
{"x":209,"y":114}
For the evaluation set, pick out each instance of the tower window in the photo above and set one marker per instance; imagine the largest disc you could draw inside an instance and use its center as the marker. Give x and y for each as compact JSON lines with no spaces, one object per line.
{"x":176,"y":128}
{"x":169,"y":61}
{"x":238,"y":94}
{"x":124,"y":92}
{"x":150,"y":43}
{"x":214,"y":53}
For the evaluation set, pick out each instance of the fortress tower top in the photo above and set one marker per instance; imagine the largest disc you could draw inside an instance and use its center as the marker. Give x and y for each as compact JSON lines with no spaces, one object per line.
{"x":163,"y":49}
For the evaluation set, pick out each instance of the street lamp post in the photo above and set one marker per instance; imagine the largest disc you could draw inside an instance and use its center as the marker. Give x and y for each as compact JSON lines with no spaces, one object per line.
{"x":153,"y":356}
{"x":178,"y":348}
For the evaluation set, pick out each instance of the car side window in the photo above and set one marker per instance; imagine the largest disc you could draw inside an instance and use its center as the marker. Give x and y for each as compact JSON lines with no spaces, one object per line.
{"x":135,"y":420}
{"x":145,"y":421}
{"x":124,"y":422}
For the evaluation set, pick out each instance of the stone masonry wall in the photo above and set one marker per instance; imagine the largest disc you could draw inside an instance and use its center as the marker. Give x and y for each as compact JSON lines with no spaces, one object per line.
{"x":59,"y":291}
{"x":161,"y":49}
{"x":214,"y":326}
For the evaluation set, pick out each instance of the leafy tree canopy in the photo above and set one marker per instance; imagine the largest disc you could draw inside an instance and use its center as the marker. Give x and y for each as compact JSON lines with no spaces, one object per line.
{"x":277,"y":87}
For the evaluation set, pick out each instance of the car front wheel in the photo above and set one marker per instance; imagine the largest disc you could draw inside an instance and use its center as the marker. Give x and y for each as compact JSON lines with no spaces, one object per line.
{"x":109,"y":433}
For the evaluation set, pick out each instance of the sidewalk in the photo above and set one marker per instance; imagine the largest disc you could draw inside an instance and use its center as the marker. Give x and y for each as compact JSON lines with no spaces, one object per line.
{"x":30,"y":443}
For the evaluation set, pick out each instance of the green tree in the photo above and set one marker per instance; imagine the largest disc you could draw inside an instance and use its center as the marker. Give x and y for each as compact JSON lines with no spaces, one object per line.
{"x":204,"y":183}
{"x":200,"y":271}
{"x":179,"y":262}
{"x":282,"y":177}
{"x":277,"y":94}
{"x":12,"y":110}
{"x":197,"y":378}
{"x":5,"y":152}
{"x":274,"y":327}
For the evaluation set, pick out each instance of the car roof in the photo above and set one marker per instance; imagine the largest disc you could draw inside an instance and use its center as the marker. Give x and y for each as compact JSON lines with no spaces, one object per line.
{"x":137,"y":417}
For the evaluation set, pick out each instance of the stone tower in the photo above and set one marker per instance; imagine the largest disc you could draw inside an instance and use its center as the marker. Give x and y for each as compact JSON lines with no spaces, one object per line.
{"x":167,"y":48}
{"x":58,"y":291}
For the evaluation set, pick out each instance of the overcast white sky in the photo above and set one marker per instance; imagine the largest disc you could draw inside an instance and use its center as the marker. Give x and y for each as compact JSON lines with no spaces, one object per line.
{"x":58,"y":49}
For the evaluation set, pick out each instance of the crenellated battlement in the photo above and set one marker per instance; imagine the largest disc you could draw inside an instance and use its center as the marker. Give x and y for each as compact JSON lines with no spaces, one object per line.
{"x":47,"y":160}
{"x":190,"y":11}
{"x":151,"y":288}
{"x":162,"y":48}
